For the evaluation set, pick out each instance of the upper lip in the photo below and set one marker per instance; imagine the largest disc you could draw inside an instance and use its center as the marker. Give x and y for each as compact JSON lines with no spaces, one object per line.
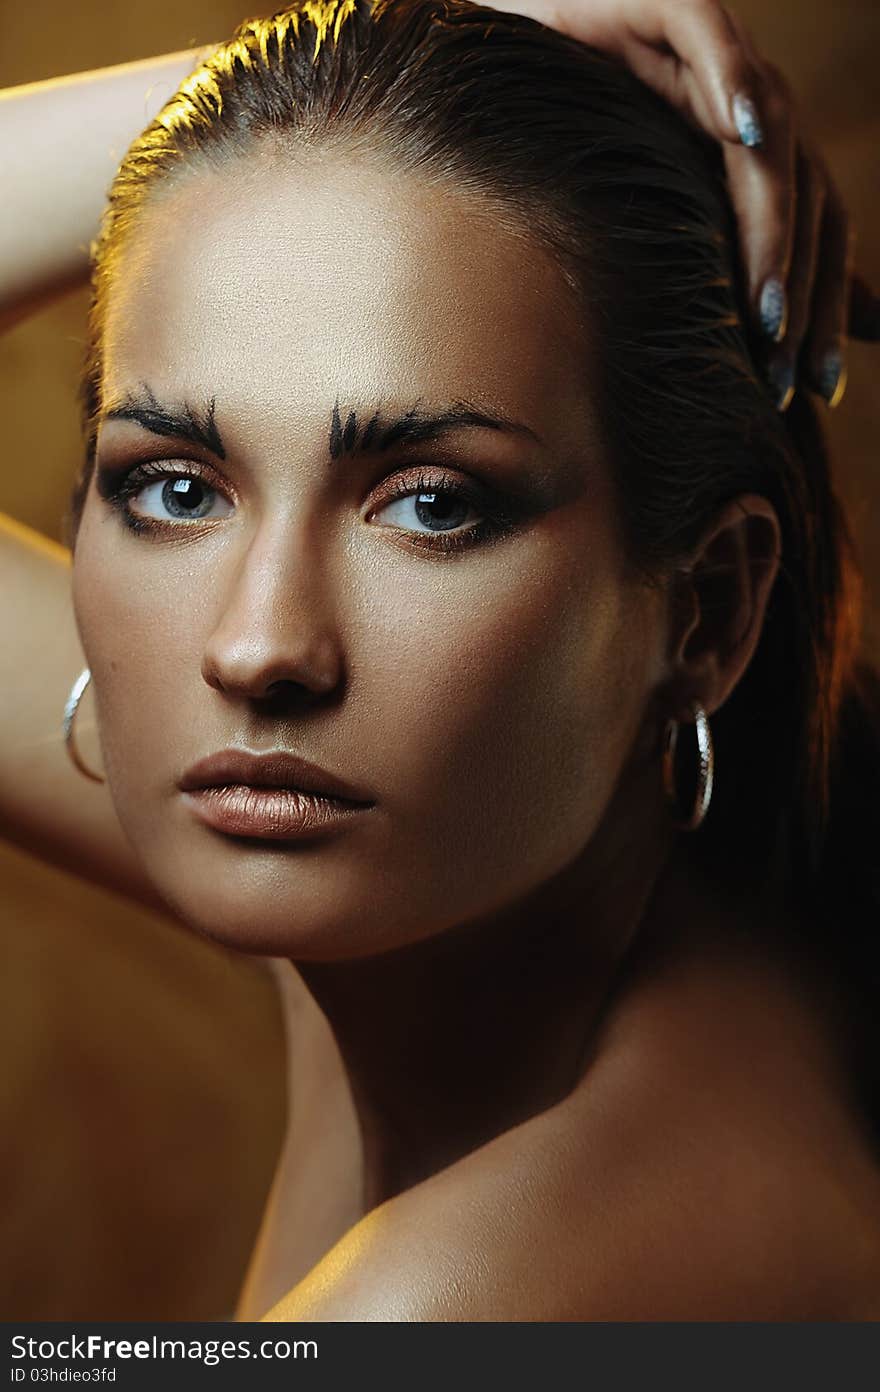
{"x":276,"y":768}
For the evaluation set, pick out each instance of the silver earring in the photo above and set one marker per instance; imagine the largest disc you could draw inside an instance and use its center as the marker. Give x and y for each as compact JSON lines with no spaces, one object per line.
{"x":703,"y":795}
{"x":70,"y":709}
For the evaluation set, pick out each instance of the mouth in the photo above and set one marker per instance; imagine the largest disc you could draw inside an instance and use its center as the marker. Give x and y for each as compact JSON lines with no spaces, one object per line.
{"x":274,"y":814}
{"x":274,"y":796}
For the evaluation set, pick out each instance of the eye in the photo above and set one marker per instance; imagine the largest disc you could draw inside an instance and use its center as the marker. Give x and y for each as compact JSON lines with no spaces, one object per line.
{"x":157,"y":495}
{"x":179,"y":497}
{"x":443,"y":515}
{"x":429,"y":509}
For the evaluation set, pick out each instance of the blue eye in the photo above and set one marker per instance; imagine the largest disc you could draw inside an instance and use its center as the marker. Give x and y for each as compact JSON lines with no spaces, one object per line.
{"x":182,"y":498}
{"x":435,"y":513}
{"x":176,"y":495}
{"x":437,"y":510}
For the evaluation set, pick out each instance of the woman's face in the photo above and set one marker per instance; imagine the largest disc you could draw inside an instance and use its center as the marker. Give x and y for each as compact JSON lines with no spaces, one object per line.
{"x":478,"y":666}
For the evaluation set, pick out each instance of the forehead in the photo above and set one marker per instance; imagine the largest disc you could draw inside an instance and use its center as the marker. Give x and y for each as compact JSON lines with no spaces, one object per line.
{"x":277,"y":285}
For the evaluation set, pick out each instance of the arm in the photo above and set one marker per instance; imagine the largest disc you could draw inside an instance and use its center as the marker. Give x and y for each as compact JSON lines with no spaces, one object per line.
{"x":61,"y":142}
{"x":46,"y":807}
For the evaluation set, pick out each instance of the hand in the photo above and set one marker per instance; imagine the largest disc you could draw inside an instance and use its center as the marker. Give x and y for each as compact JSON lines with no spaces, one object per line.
{"x":794,"y":232}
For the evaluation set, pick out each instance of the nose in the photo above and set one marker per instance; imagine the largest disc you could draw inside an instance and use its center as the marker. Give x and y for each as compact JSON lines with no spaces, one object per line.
{"x":276,"y":634}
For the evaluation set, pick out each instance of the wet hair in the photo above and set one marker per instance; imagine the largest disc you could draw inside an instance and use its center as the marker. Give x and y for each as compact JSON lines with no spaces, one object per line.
{"x":566,"y":145}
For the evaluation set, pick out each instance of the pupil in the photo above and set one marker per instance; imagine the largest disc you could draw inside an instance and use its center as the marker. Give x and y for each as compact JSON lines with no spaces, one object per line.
{"x":183,"y":496}
{"x":452,"y":511}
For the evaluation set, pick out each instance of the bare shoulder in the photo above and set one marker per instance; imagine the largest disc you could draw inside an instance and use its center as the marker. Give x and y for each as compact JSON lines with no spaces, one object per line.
{"x":706,"y":1168}
{"x":555,"y":1226}
{"x":725,"y":1082}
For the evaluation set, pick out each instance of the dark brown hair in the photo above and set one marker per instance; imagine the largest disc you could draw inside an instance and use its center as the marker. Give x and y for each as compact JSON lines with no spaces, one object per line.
{"x":631,"y":201}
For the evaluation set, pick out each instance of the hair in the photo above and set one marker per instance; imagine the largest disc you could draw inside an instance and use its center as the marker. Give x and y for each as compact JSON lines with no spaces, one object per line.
{"x":564,"y":143}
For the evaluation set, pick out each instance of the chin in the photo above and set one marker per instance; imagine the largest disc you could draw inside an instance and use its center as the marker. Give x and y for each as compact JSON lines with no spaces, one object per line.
{"x":321,"y":899}
{"x":283,"y":909}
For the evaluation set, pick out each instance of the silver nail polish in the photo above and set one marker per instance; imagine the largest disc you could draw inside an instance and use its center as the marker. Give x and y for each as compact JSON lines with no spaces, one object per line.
{"x":832,"y":378}
{"x":745,"y":118}
{"x":781,"y":373}
{"x":773,"y":309}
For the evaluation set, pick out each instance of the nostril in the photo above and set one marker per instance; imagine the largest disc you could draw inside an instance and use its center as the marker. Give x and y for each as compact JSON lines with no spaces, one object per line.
{"x":279,"y":692}
{"x":282,"y":696}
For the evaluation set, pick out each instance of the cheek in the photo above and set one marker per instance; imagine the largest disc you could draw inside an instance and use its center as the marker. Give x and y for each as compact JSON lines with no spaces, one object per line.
{"x":512,"y":705}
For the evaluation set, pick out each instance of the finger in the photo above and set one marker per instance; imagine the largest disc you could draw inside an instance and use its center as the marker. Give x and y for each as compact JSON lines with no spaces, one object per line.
{"x":703,"y":37}
{"x":826,"y":348}
{"x":695,"y":35}
{"x":762,"y":186}
{"x":810,"y":203}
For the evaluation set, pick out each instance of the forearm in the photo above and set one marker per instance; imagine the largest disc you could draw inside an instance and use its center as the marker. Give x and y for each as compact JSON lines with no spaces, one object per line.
{"x":60,"y":145}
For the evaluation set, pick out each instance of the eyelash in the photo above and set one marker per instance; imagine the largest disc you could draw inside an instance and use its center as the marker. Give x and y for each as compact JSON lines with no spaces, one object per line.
{"x":497,"y":518}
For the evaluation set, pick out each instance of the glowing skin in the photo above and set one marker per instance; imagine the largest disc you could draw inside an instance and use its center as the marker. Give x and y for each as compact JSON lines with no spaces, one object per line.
{"x":500,"y":703}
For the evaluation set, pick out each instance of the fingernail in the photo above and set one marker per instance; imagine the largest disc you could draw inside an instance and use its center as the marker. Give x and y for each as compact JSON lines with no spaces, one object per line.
{"x":774,"y":310}
{"x":745,"y":118}
{"x":781,"y":373}
{"x":832,"y":377}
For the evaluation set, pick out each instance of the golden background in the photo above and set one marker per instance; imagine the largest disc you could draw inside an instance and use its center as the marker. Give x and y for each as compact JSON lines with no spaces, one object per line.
{"x":141,"y":1089}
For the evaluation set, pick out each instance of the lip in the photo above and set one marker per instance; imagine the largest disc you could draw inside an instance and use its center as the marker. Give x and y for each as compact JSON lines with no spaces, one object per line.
{"x":276,"y":769}
{"x":270,"y":814}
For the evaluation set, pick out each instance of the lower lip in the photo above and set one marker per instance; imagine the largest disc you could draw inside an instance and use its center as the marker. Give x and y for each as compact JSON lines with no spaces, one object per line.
{"x":274,"y":814}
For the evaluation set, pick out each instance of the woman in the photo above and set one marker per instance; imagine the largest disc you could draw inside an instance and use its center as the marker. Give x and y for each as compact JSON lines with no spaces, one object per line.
{"x":431,"y":482}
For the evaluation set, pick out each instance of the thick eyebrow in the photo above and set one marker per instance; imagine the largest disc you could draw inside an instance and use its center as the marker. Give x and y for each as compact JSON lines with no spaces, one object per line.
{"x":184,"y":422}
{"x":181,"y":422}
{"x":415,"y":426}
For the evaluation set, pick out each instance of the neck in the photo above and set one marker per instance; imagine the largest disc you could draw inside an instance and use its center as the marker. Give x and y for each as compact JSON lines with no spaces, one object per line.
{"x":454,"y":1039}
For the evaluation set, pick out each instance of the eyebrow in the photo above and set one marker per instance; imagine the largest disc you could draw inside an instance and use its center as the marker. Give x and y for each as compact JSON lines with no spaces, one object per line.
{"x":182,"y":422}
{"x":415,"y":426}
{"x":185,"y":422}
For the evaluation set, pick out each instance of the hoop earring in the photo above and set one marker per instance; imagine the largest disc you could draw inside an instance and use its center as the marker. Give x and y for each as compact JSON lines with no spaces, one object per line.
{"x":705,"y":776}
{"x":70,"y":710}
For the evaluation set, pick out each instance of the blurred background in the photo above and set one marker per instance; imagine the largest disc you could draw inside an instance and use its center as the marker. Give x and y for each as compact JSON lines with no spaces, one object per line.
{"x":141,"y":1069}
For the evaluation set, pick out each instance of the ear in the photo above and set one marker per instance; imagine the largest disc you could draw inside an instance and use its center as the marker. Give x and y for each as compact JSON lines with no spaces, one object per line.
{"x":718,"y":601}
